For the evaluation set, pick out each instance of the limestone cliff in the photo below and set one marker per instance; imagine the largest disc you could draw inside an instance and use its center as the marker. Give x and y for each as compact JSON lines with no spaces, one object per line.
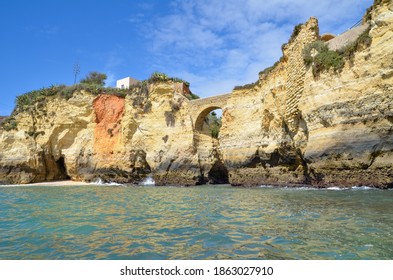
{"x":106,"y":137}
{"x":322,"y":115}
{"x":349,"y":114}
{"x":331,"y":129}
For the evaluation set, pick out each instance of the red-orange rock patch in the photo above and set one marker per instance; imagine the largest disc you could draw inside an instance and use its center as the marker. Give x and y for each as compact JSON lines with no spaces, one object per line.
{"x":109,"y":110}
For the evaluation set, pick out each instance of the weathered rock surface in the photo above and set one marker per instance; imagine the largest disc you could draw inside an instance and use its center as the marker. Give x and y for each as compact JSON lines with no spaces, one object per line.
{"x":290,"y":127}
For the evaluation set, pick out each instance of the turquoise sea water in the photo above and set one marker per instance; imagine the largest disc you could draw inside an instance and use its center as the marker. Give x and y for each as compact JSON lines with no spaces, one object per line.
{"x":204,"y":222}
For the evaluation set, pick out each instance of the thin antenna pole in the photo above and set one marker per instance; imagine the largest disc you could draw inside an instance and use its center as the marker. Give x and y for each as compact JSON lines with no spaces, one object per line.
{"x":76,"y":71}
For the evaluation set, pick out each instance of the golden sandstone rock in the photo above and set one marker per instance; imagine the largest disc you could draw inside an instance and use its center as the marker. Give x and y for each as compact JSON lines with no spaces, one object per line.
{"x":290,"y":127}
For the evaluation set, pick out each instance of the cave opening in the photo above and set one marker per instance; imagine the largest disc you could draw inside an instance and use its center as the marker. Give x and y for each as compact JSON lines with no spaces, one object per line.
{"x":218,"y":174}
{"x":62,"y":169}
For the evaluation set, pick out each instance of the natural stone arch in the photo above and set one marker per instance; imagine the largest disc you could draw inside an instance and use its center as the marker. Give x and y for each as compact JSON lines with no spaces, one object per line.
{"x":210,"y":160}
{"x":200,"y":108}
{"x":198,"y":125}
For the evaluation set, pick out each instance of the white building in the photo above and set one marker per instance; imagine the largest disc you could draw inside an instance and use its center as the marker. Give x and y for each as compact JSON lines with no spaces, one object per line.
{"x":126,"y":83}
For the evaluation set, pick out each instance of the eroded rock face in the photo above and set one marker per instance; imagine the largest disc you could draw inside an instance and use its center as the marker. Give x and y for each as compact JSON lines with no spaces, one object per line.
{"x":288,"y":128}
{"x":349,"y":114}
{"x":106,"y":137}
{"x":49,"y":141}
{"x":331,"y":130}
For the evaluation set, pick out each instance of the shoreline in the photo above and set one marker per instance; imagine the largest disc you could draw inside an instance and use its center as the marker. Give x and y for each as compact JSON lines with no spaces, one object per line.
{"x":70,"y":183}
{"x":64,"y":183}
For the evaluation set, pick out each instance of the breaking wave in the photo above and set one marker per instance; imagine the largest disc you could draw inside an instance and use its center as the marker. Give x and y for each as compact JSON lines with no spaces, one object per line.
{"x":100,"y":182}
{"x":148,"y":181}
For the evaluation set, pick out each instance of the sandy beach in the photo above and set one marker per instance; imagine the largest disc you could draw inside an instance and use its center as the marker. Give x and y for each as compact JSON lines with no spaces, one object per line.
{"x":52,"y":183}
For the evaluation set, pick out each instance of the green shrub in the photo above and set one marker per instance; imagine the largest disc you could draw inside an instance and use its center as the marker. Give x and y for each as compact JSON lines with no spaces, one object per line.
{"x":326,"y":60}
{"x":178,"y":80}
{"x":94,"y":79}
{"x":247,"y":86}
{"x":9,"y":124}
{"x":68,"y":92}
{"x":162,"y":77}
{"x":319,"y":46}
{"x":158,"y":77}
{"x":35,"y":96}
{"x":93,"y":84}
{"x":295,"y":32}
{"x":215,"y":124}
{"x":193,"y":96}
{"x":215,"y":131}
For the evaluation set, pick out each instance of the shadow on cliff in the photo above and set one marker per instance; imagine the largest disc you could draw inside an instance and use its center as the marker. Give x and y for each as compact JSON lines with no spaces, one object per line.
{"x":218,"y":174}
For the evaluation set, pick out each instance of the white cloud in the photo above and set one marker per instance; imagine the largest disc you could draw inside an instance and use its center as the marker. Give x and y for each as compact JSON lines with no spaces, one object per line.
{"x":217,"y":44}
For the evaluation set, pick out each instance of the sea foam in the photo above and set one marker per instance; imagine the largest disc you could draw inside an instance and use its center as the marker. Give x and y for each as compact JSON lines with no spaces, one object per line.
{"x":100,"y":182}
{"x":148,"y":181}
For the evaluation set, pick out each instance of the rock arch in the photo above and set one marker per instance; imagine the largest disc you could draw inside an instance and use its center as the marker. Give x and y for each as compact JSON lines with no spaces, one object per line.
{"x":200,"y":108}
{"x":210,"y":160}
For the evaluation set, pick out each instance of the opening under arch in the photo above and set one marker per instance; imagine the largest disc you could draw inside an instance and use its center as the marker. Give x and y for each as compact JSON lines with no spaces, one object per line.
{"x":207,"y":140}
{"x":209,"y":121}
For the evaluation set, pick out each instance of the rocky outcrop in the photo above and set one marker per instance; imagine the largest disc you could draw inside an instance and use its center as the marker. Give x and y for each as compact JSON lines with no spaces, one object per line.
{"x":349,"y":114}
{"x":290,"y":127}
{"x":330,"y":130}
{"x":103,"y":137}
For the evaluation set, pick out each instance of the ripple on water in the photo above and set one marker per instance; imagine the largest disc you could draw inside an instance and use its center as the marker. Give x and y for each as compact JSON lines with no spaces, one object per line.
{"x":207,"y":222}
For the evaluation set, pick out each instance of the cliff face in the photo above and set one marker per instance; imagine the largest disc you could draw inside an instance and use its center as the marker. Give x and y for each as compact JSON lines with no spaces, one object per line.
{"x":331,"y":129}
{"x":349,"y":115}
{"x":49,"y":139}
{"x":268,"y":121}
{"x":293,"y":126}
{"x":102,"y":137}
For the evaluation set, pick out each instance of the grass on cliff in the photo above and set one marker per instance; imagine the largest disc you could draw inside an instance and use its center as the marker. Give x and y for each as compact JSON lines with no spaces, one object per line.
{"x":162,"y":77}
{"x":318,"y":55}
{"x":321,"y":58}
{"x":247,"y":86}
{"x":39,"y":97}
{"x":9,"y":124}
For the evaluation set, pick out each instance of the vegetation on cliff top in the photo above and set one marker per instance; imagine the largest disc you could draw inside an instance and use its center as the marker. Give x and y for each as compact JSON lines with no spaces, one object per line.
{"x":246,"y":86}
{"x":318,"y":55}
{"x":321,"y":58}
{"x":9,"y":124}
{"x":162,"y":77}
{"x":93,"y":83}
{"x":95,"y":79}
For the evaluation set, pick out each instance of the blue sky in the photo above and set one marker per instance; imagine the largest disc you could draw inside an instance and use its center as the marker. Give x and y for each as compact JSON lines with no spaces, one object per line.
{"x":213,"y":44}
